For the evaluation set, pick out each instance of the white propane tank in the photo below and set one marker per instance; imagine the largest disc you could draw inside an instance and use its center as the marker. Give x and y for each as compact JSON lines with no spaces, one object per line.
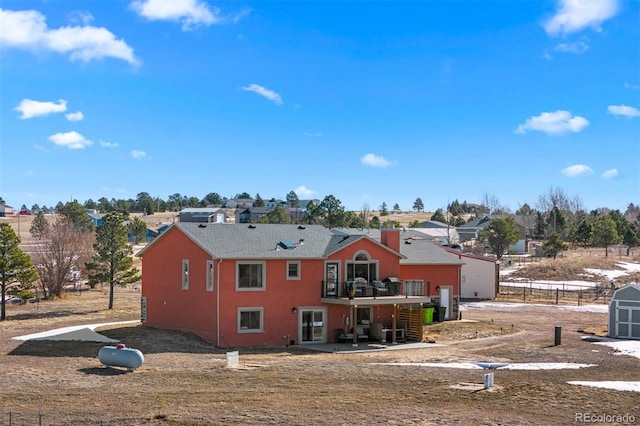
{"x":121,"y":356}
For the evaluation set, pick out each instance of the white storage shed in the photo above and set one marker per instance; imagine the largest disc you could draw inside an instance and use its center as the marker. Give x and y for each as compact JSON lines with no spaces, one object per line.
{"x":479,"y":276}
{"x":624,"y":313}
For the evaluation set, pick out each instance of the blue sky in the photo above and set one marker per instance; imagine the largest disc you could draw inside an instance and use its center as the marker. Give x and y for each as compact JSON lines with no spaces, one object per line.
{"x":369,"y":101}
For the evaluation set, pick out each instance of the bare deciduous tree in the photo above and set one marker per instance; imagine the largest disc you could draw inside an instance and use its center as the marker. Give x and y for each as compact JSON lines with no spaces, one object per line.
{"x":555,"y":197}
{"x":60,"y":257}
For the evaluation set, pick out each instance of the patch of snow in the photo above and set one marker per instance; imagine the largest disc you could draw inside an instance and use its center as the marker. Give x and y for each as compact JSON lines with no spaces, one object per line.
{"x":616,"y":273}
{"x":508,"y":366}
{"x":615,"y":385}
{"x":62,"y":330}
{"x":510,"y":306}
{"x":546,"y":366}
{"x":621,"y":347}
{"x":603,"y":309}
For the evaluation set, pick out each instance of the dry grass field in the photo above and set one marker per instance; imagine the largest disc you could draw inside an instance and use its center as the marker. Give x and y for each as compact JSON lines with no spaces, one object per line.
{"x":184,"y":380}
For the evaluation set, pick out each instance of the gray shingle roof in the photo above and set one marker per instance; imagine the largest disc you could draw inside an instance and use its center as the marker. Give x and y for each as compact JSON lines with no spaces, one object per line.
{"x":426,"y":252}
{"x":258,"y":241}
{"x":261,"y":241}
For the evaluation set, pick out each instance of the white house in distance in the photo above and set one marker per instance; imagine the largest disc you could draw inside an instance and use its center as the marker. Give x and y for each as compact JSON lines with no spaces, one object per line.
{"x":6,"y":210}
{"x":479,"y":277}
{"x":624,"y":313}
{"x":202,"y":214}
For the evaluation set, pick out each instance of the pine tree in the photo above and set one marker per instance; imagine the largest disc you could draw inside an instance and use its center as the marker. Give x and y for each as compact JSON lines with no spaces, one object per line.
{"x":112,"y":263}
{"x":383,"y":209}
{"x":15,"y":265}
{"x":258,"y":202}
{"x":39,"y":227}
{"x":292,"y":200}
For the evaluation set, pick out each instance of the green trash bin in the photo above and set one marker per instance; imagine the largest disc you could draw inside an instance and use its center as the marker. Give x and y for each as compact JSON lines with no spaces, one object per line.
{"x":427,"y":315}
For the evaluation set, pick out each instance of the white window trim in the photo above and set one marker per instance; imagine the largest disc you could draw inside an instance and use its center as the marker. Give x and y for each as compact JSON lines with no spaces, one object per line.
{"x":254,"y":330}
{"x":209,"y":276}
{"x":184,"y":272}
{"x":293,"y":262}
{"x":264,"y":275}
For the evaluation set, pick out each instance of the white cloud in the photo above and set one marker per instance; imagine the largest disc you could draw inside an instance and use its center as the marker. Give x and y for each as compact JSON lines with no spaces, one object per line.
{"x":313,"y":134}
{"x":238,"y":16}
{"x":80,"y":17}
{"x":108,"y":144}
{"x":577,"y":170}
{"x":262,"y":91}
{"x":30,"y":108}
{"x":304,"y":192}
{"x":575,"y":15}
{"x":72,"y":140}
{"x":376,"y":161}
{"x":27,"y":30}
{"x":554,"y":123}
{"x":190,"y":13}
{"x":624,"y":110}
{"x":628,"y":85}
{"x":75,"y":116}
{"x":610,"y":174}
{"x":577,"y":48}
{"x":138,"y":154}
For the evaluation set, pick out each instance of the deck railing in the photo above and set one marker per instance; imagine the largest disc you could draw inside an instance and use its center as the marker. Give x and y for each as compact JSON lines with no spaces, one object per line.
{"x":362,"y":289}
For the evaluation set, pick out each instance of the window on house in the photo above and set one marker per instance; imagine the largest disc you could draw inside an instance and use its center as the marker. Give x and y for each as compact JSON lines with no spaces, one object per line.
{"x":414,"y":287}
{"x":250,"y":275}
{"x":185,"y":274}
{"x":293,"y":270}
{"x":364,"y":316}
{"x":362,"y":267}
{"x":250,"y":320}
{"x":209,"y":275}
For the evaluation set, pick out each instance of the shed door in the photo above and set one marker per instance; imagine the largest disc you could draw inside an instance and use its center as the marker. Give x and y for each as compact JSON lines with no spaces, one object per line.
{"x":628,"y":322}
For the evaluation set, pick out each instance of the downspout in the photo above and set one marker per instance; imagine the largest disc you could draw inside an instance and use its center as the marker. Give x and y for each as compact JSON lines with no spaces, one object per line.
{"x":218,"y":305}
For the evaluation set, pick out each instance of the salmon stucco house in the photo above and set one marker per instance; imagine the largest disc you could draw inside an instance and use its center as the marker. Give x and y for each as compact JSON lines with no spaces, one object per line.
{"x":242,"y":285}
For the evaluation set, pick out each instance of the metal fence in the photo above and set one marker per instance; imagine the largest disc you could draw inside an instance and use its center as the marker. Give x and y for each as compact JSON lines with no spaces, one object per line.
{"x":565,"y":293}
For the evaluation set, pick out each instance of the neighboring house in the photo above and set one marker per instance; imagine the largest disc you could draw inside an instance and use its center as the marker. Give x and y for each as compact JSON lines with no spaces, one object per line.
{"x":447,"y":236}
{"x":262,"y":284}
{"x":432,"y":224}
{"x":6,"y":210}
{"x":470,"y":233}
{"x":95,"y":217}
{"x":254,"y":214}
{"x":479,"y":277}
{"x":203,"y":215}
{"x":273,"y":202}
{"x":624,"y":313}
{"x":239,"y":203}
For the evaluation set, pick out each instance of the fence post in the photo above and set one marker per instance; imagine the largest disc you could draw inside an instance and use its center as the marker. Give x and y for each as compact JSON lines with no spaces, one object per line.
{"x":557,"y":291}
{"x":524,"y":294}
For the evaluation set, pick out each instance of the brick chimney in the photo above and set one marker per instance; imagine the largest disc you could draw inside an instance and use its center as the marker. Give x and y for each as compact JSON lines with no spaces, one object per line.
{"x":390,"y":238}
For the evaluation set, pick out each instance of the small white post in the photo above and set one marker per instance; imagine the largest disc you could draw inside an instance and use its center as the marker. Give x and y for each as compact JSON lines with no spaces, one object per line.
{"x":233,"y":359}
{"x":488,"y":380}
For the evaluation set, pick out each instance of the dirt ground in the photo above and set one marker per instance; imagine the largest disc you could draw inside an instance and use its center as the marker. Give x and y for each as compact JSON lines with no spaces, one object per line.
{"x":184,"y":380}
